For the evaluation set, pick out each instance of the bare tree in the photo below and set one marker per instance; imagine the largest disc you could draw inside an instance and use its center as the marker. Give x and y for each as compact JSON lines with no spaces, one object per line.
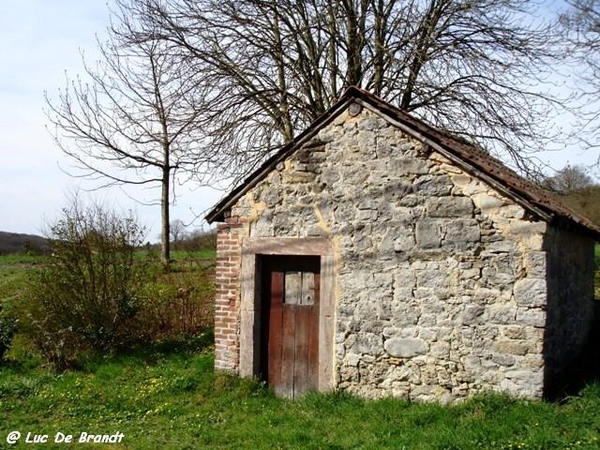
{"x":177,"y":229}
{"x":581,"y":27}
{"x":472,"y":67}
{"x":133,"y":120}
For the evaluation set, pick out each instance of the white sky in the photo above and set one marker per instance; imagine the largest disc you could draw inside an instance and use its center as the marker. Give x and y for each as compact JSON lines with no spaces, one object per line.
{"x":39,"y":41}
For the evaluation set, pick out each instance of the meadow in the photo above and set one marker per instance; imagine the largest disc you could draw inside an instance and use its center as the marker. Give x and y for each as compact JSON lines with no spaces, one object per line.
{"x":167,"y":395}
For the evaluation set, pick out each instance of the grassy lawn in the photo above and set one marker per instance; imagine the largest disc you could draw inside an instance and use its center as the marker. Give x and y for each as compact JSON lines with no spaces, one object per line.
{"x":171,"y":398}
{"x":176,"y":401}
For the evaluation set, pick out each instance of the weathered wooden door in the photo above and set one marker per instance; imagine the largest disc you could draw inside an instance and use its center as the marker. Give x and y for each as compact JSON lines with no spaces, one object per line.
{"x":290,"y":329}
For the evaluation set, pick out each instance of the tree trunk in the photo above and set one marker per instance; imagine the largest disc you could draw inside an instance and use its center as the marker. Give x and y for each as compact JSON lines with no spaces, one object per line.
{"x":165,"y":253}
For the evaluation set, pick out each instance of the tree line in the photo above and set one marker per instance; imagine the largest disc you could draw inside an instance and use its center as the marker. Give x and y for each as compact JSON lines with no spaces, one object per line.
{"x":194,"y":90}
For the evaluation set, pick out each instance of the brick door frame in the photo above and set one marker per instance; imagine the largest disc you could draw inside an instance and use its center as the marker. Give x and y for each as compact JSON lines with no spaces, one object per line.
{"x":250,"y":301}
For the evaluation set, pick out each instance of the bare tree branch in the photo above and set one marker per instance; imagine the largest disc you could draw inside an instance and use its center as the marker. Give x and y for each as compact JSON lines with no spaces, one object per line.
{"x":269,"y":68}
{"x":135,"y":119}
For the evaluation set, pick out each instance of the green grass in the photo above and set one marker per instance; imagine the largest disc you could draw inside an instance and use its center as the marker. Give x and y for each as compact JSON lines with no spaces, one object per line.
{"x":14,"y":273}
{"x":176,"y":401}
{"x":21,"y":258}
{"x":196,"y":254}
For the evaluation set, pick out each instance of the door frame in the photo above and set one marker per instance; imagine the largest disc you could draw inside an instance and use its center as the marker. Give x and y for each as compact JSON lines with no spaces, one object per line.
{"x":250,"y":302}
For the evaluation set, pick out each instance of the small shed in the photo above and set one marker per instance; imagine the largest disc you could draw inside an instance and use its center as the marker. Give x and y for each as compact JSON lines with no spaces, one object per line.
{"x":378,"y":255}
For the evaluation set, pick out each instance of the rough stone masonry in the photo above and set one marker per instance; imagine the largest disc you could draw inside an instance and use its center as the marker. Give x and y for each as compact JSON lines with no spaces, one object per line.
{"x":441,"y":282}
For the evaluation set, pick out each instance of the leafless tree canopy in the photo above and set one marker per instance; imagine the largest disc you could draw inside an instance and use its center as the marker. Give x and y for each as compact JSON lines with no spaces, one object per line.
{"x":178,"y":230}
{"x":132,"y":119}
{"x":581,"y":24}
{"x":271,"y":67}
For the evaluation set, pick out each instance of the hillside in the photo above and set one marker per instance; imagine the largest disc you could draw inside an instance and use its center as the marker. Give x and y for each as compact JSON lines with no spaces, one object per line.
{"x":586,"y":201}
{"x":21,"y":243}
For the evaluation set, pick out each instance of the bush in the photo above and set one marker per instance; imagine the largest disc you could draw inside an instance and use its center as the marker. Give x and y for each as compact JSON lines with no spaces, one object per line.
{"x":86,"y":298}
{"x":197,"y":240}
{"x":8,"y":326}
{"x":178,"y":303}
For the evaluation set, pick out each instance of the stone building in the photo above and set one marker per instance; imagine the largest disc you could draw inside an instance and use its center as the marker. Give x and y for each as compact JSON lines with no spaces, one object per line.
{"x":378,"y":255}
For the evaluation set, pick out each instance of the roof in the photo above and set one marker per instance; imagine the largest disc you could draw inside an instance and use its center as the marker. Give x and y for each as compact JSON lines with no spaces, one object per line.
{"x":469,"y":157}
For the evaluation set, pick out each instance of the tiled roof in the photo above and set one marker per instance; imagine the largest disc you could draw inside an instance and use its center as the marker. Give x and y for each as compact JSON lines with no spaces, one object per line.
{"x":469,"y":157}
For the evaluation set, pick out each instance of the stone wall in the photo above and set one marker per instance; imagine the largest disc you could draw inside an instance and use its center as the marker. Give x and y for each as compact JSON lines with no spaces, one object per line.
{"x":440,"y":289}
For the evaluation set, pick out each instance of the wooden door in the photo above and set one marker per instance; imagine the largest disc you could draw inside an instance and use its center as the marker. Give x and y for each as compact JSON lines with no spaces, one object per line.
{"x":290,"y":345}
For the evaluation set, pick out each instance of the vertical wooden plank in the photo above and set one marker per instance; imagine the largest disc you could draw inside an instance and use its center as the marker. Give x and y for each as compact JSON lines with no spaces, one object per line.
{"x":288,"y":344}
{"x":275,"y":329}
{"x":293,"y":288}
{"x":308,"y":289}
{"x":302,"y":329}
{"x":313,"y":336}
{"x":326,"y":323}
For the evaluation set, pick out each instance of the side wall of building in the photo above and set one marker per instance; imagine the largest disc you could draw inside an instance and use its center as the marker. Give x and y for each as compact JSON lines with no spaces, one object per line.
{"x":571,"y":305}
{"x":439,"y":280}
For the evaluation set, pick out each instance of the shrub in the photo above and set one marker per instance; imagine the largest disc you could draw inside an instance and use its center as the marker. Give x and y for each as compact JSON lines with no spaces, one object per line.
{"x":86,"y":298}
{"x":8,"y":326}
{"x":178,"y":303}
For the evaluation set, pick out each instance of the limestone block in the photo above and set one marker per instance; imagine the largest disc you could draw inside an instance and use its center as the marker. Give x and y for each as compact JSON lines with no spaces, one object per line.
{"x":449,"y":207}
{"x":383,"y":150}
{"x":351,"y":359}
{"x":488,"y":204}
{"x":501,"y":315}
{"x":432,"y":278}
{"x":523,"y":227}
{"x":315,"y":231}
{"x":512,"y":212}
{"x":406,"y":165}
{"x":524,"y":383}
{"x":517,"y":348}
{"x":405,"y":241}
{"x":462,"y":230}
{"x":440,"y":349}
{"x":430,"y":185}
{"x":472,"y":315}
{"x":409,"y":201}
{"x":514,"y":332}
{"x":501,"y":246}
{"x":468,"y":185}
{"x":504,"y":360}
{"x":368,"y":343}
{"x":535,"y":264}
{"x":405,"y":348}
{"x":326,"y":135}
{"x":404,"y":314}
{"x":429,"y":234}
{"x":369,"y":124}
{"x":329,"y":175}
{"x":407,"y":373}
{"x":531,"y":317}
{"x":530,"y":292}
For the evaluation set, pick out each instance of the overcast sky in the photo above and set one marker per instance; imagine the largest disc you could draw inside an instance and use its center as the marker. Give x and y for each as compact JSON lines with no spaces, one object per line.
{"x":39,"y":41}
